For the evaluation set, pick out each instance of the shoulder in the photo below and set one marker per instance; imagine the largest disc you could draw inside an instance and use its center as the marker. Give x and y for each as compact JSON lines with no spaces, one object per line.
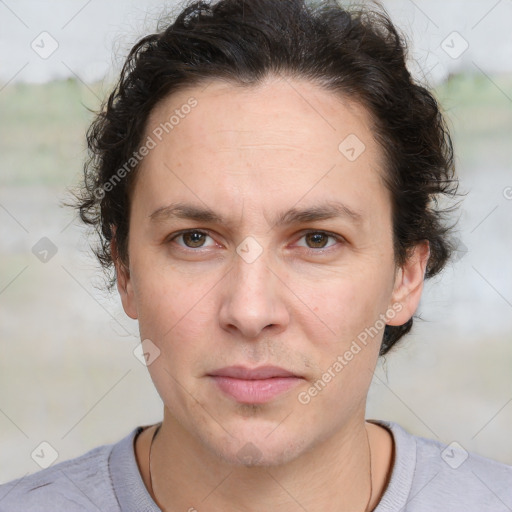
{"x":79,"y":484}
{"x":462,"y":476}
{"x":448,"y":477}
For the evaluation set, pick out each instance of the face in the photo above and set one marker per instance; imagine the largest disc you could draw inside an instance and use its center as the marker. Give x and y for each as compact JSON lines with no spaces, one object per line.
{"x":260,"y":236}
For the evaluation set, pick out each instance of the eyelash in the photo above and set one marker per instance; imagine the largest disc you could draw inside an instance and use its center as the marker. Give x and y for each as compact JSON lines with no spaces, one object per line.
{"x":320,"y":250}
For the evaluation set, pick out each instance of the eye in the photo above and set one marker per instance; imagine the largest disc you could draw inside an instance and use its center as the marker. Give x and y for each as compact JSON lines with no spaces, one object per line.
{"x":193,"y":239}
{"x":318,"y":239}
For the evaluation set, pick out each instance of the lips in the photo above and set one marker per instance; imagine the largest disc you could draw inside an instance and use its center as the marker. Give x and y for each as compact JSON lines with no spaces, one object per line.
{"x":263,"y":372}
{"x":254,"y":385}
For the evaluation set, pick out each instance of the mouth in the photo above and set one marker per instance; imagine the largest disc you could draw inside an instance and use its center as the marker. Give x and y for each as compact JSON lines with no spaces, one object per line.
{"x":256,"y":385}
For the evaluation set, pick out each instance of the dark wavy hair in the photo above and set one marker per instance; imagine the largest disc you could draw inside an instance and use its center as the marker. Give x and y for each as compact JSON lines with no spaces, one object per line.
{"x":355,"y":52}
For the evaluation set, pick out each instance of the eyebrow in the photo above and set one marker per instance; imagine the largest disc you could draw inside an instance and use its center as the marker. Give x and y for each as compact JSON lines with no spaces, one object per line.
{"x":325,"y":211}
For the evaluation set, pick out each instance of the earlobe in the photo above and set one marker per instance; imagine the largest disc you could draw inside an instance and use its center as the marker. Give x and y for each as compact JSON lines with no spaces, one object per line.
{"x":409,"y":284}
{"x":124,"y":282}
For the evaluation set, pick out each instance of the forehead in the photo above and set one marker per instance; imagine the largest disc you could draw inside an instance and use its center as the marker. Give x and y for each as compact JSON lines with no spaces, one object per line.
{"x":298,"y":112}
{"x":284,"y":138}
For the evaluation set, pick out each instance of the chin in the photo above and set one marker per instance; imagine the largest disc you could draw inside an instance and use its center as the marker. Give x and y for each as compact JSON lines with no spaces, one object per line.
{"x":257,"y":447}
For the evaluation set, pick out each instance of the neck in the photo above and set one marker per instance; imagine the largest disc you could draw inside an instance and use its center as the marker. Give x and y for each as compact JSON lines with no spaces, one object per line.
{"x":335,"y":474}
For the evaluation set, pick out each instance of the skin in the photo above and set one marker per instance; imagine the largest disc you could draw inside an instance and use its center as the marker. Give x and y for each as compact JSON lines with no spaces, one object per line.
{"x":250,"y":154}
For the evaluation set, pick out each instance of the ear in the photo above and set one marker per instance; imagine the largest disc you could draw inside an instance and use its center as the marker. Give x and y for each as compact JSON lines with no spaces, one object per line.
{"x":409,"y":284}
{"x":123,"y":278}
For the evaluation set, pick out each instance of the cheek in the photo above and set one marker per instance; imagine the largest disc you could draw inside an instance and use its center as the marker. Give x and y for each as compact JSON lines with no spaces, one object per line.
{"x":173,"y":314}
{"x":344,"y":304}
{"x":349,"y":309}
{"x":347,"y":355}
{"x":176,"y":312}
{"x":171,"y":309}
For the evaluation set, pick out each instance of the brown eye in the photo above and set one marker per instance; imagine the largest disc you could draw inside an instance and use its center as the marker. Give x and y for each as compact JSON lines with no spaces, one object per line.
{"x":191,"y":239}
{"x":319,"y":240}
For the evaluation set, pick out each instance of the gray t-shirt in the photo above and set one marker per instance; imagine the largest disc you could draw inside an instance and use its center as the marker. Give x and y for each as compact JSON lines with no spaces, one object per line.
{"x":427,"y":476}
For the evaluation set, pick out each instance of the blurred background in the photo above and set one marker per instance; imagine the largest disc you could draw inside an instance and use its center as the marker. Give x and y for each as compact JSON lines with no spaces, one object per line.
{"x":68,"y":374}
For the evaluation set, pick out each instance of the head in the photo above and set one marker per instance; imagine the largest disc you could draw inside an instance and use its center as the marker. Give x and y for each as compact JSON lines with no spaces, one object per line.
{"x":265,"y":182}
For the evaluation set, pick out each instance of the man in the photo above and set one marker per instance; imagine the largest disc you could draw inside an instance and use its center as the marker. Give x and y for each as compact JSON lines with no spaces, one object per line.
{"x":263,"y":180}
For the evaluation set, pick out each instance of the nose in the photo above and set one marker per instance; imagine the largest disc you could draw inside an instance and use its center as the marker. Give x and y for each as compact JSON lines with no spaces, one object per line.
{"x":253,"y":299}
